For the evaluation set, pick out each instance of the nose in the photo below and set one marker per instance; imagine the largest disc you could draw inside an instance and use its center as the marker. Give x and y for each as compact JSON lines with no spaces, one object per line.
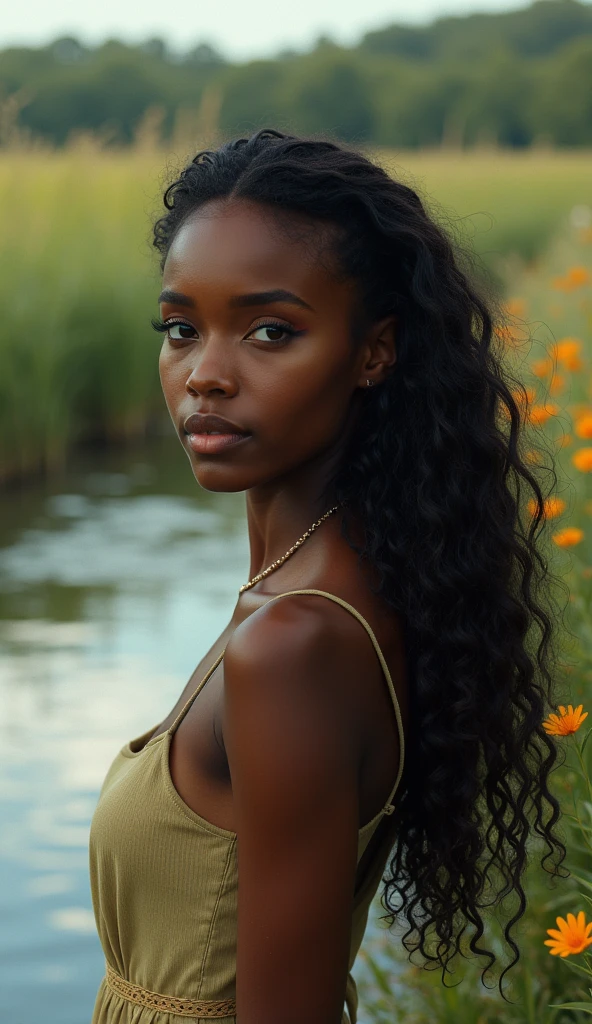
{"x":211,"y":375}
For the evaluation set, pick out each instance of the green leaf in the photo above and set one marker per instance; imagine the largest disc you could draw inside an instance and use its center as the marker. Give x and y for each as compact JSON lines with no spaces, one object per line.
{"x":586,"y":738}
{"x":584,"y":1007}
{"x":581,"y":848}
{"x":573,"y":966}
{"x":582,"y":881}
{"x":587,"y":898}
{"x":380,"y":976}
{"x":580,"y":827}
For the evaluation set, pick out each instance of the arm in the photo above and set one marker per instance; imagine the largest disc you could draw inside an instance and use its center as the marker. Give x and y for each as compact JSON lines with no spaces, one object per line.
{"x":294,"y":761}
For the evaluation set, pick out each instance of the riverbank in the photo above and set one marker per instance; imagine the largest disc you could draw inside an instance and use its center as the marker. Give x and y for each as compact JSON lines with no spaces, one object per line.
{"x":79,"y":279}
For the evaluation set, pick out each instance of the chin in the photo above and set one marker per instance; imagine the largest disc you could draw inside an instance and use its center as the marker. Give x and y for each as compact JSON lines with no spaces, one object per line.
{"x":218,"y":479}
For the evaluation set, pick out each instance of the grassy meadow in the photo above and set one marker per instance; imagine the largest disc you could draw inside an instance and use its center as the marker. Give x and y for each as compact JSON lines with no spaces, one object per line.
{"x":497,"y":201}
{"x":78,"y":278}
{"x":548,"y":344}
{"x":79,"y":363}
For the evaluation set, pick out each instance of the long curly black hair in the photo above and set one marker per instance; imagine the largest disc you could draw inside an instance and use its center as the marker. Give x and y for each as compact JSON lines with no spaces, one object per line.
{"x":438,"y":478}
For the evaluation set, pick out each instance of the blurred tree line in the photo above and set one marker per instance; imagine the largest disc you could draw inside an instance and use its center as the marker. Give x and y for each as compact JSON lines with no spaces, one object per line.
{"x":513,"y":79}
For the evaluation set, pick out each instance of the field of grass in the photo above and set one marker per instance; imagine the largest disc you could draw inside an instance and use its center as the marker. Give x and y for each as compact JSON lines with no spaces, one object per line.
{"x":78,"y":284}
{"x":78,"y":279}
{"x":502,"y":201}
{"x":548,"y":343}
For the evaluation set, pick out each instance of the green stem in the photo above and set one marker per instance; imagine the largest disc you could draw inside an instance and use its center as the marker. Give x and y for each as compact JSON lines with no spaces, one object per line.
{"x":576,"y":815}
{"x":583,"y":767}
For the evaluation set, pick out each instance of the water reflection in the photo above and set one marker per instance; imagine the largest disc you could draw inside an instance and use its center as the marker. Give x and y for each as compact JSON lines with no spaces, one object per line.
{"x":113,"y":585}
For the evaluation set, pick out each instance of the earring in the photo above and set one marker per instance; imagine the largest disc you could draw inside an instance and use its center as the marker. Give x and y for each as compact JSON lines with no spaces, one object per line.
{"x":370,"y":383}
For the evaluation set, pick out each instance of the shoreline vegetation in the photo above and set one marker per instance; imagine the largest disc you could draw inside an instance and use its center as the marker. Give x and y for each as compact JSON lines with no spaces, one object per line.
{"x":79,"y":361}
{"x":79,"y":278}
{"x":547,"y":337}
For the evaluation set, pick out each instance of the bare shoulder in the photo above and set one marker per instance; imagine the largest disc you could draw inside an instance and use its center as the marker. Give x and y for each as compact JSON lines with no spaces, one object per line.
{"x":301,"y":640}
{"x":293,"y":756}
{"x":289,"y":711}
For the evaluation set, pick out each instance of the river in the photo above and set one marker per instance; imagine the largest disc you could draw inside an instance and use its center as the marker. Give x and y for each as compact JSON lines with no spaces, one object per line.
{"x":114,"y":581}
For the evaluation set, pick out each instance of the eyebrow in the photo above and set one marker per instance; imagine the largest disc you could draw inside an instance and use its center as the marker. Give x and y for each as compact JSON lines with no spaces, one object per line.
{"x":175,"y":298}
{"x":240,"y":301}
{"x":266,"y":298}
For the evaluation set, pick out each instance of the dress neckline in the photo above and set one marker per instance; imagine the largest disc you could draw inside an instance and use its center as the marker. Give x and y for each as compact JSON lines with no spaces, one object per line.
{"x":387,"y":808}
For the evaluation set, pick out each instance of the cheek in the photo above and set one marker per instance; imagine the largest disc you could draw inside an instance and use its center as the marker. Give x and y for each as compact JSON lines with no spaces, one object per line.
{"x":307,"y":403}
{"x":170,"y":372}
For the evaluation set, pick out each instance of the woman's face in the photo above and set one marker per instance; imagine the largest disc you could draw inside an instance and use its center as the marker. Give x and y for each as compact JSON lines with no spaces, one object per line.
{"x":259,"y":348}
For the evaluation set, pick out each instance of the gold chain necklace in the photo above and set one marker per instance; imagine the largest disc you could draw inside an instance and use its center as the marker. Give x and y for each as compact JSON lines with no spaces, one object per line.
{"x":290,"y":551}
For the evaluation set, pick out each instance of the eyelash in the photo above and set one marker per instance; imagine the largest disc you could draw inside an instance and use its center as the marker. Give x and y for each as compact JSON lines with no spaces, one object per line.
{"x":163,"y":326}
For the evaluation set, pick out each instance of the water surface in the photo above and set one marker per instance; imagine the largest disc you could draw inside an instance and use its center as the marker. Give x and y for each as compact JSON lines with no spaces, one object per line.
{"x":114,"y":582}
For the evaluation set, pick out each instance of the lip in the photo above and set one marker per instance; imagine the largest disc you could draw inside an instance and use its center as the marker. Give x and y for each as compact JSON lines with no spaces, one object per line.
{"x":209,"y":434}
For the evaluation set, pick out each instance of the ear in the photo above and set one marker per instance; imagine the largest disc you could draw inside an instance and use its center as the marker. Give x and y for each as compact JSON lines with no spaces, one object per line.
{"x":380,"y":353}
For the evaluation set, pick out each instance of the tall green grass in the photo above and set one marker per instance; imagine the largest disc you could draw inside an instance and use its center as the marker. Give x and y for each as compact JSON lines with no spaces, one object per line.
{"x":78,"y":279}
{"x":546,"y":311}
{"x":500,"y":201}
{"x":78,"y":284}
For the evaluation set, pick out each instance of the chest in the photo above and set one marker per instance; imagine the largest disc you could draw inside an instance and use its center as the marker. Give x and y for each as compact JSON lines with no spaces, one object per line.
{"x":198,"y":765}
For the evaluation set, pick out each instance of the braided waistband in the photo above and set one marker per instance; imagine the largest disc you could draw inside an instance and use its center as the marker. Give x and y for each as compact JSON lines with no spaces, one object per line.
{"x":171,"y":1004}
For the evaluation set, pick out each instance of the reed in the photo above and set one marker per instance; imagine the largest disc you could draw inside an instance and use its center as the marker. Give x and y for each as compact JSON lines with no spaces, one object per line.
{"x":78,"y":284}
{"x":78,"y":278}
{"x":547,"y":340}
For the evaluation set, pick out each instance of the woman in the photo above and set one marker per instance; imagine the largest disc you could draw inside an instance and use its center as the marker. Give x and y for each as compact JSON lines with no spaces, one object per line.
{"x":374,"y":694}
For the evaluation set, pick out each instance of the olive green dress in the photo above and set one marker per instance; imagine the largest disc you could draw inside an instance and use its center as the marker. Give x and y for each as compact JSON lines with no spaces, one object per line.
{"x":164,"y":887}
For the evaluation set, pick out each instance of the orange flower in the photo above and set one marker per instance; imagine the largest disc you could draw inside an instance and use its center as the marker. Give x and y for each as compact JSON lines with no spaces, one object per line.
{"x":575,"y":278}
{"x":583,"y":426}
{"x":542,"y":367}
{"x":539,"y":414}
{"x":507,"y":332}
{"x":524,"y":398}
{"x":556,"y":384}
{"x":582,"y":460}
{"x":573,"y":935}
{"x":560,"y":284}
{"x":516,"y":307}
{"x":566,"y":722}
{"x":578,"y":276}
{"x":552,"y":507}
{"x":567,"y":351}
{"x":564,"y":440}
{"x":568,"y":537}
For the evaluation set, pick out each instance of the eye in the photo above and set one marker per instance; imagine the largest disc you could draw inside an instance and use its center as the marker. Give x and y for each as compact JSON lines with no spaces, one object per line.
{"x":168,"y":326}
{"x":178,"y":331}
{"x":273,"y":333}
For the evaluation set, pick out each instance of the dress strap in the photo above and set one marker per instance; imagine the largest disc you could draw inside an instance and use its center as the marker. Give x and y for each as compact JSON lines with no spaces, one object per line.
{"x":389,"y":806}
{"x":188,"y":703}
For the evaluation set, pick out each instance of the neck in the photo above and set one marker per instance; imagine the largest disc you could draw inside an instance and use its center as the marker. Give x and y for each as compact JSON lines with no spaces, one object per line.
{"x":279,"y":513}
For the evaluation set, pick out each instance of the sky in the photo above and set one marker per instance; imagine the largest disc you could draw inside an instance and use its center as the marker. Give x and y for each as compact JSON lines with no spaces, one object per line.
{"x":241,"y":30}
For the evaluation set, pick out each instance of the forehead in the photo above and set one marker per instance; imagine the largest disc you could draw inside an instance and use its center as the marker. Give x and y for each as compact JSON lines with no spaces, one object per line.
{"x":245,"y":246}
